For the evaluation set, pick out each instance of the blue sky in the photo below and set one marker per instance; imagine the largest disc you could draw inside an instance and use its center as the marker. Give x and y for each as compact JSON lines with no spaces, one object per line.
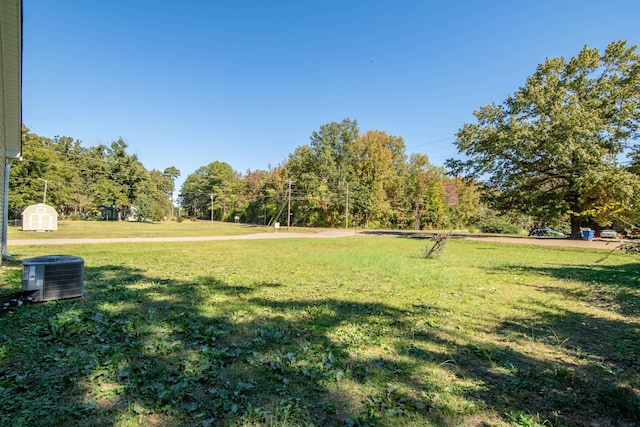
{"x":186,"y":83}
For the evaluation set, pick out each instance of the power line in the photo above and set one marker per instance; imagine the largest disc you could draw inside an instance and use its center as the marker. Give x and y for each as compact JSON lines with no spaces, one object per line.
{"x":77,"y":168}
{"x":449,"y":138}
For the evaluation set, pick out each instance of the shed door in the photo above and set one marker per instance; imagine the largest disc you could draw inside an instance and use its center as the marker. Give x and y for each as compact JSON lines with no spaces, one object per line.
{"x":40,"y":221}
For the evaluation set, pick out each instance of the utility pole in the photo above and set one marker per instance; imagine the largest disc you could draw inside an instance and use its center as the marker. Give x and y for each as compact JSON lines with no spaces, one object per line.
{"x":346,"y":213}
{"x":289,"y":208}
{"x":44,"y":197}
{"x":211,"y":207}
{"x":172,"y":216}
{"x":264,"y":203}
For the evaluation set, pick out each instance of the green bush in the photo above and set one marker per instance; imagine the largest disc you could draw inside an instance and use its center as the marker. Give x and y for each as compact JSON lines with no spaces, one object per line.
{"x":563,"y":227}
{"x":374,"y":224}
{"x":497,"y":225}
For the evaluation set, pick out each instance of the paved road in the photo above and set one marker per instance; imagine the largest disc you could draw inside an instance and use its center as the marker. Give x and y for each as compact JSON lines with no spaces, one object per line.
{"x":595,"y":244}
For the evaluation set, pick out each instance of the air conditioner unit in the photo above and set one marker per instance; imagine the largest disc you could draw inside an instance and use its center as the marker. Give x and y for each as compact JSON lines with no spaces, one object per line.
{"x":52,"y":277}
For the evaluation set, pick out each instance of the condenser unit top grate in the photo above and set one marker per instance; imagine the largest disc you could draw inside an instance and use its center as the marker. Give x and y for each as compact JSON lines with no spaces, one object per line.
{"x":53,"y":259}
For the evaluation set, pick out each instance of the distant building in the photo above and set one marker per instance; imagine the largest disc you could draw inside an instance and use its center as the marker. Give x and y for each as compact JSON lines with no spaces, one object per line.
{"x":39,"y":217}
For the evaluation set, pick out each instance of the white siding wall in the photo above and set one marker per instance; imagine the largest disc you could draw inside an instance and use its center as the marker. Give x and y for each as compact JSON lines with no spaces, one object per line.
{"x":10,"y":90}
{"x":3,"y":121}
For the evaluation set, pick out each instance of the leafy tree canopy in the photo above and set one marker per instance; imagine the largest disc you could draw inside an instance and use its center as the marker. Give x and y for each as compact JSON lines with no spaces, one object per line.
{"x":210,"y":187}
{"x":84,"y":182}
{"x":552,"y":148}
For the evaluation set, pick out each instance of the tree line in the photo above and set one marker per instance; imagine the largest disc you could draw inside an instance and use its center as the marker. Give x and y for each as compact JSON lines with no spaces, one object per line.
{"x":101,"y":182}
{"x":341,"y":178}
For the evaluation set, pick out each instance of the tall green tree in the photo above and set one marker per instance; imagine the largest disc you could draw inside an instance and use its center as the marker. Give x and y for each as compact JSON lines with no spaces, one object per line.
{"x":425,"y":190}
{"x":172,"y":173}
{"x":102,"y":189}
{"x":333,"y":145}
{"x":261,"y":194}
{"x":551,"y":149}
{"x":211,"y":191}
{"x":463,"y":200}
{"x":127,"y":173}
{"x":194,"y":195}
{"x":46,"y":171}
{"x":252,"y":197}
{"x":314,"y":195}
{"x":27,"y":177}
{"x":67,"y":185}
{"x":153,"y":199}
{"x":322,"y":171}
{"x":378,"y":165}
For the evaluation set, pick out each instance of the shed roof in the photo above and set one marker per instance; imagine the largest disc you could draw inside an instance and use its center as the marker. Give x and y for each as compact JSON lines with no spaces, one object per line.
{"x":40,"y":206}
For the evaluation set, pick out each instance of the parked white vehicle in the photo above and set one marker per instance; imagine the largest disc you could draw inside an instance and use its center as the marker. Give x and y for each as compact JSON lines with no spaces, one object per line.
{"x":608,"y":234}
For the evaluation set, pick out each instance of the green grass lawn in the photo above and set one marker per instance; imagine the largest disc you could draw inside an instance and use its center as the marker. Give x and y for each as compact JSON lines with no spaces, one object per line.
{"x":355,"y":331}
{"x":106,"y":229}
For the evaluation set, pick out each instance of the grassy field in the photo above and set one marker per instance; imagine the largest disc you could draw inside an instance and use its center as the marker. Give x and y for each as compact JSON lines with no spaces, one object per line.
{"x":347,"y":332}
{"x":106,"y":229}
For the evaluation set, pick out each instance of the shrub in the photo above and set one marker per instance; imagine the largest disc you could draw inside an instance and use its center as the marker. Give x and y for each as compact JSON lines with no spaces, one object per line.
{"x":493,"y":224}
{"x":436,"y":247}
{"x":374,"y":224}
{"x":632,"y":248}
{"x":563,"y":227}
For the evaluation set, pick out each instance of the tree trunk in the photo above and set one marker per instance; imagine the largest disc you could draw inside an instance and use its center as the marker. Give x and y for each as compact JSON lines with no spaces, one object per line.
{"x":575,"y":228}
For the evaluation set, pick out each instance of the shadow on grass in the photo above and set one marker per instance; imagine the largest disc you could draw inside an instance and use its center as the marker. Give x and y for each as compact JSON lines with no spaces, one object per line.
{"x":615,"y":287}
{"x":150,"y":351}
{"x":592,"y":379}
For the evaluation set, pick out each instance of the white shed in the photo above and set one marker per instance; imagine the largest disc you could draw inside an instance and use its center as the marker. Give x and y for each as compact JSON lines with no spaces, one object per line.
{"x":39,"y":217}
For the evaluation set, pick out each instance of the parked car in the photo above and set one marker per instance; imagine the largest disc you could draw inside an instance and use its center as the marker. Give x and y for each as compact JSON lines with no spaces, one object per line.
{"x":546,"y":232}
{"x":608,"y":234}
